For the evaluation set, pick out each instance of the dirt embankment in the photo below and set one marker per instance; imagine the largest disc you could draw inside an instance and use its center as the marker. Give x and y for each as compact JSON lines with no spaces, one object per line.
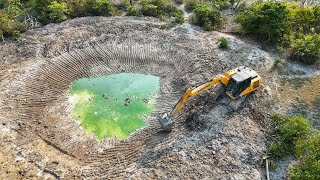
{"x":40,"y":139}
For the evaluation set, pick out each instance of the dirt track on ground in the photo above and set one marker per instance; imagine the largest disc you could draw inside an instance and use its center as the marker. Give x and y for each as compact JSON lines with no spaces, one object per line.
{"x":40,"y":139}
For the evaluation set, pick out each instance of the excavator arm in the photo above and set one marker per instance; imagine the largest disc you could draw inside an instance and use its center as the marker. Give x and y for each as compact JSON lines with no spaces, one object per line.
{"x":166,"y":121}
{"x":190,"y":92}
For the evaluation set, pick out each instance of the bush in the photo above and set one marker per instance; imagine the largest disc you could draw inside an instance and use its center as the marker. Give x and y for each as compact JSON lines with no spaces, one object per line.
{"x":10,"y":23}
{"x":305,"y":47}
{"x":288,"y":131}
{"x":265,"y":19}
{"x":223,"y":43}
{"x":131,"y":10}
{"x":308,"y":151}
{"x":220,"y":4}
{"x":179,"y":17}
{"x":48,"y":11}
{"x":164,"y":26}
{"x":191,"y":4}
{"x":161,"y":9}
{"x":92,"y":8}
{"x":103,"y":8}
{"x":207,"y":17}
{"x":58,"y":12}
{"x":295,"y":136}
{"x":39,"y":8}
{"x":292,"y":27}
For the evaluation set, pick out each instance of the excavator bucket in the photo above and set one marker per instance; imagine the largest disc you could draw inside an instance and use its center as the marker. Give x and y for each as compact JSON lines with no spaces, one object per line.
{"x":166,"y":122}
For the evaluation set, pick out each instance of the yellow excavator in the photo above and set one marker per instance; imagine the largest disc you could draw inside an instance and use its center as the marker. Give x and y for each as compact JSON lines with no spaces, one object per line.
{"x":236,"y":83}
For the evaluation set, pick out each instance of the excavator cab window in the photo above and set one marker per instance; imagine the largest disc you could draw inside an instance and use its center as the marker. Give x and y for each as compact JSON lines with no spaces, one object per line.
{"x":235,"y":88}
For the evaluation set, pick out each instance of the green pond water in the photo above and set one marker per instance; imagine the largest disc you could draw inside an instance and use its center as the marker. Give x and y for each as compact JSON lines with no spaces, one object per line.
{"x":113,"y":106}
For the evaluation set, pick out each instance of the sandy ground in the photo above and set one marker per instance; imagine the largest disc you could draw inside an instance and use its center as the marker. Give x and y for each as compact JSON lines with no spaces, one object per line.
{"x":40,"y":140}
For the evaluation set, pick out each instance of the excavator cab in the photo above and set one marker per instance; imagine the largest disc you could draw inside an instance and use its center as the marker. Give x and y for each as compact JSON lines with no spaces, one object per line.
{"x":243,"y":82}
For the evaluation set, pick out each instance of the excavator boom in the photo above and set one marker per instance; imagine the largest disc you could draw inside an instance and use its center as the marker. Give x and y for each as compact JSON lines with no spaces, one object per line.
{"x":190,"y":92}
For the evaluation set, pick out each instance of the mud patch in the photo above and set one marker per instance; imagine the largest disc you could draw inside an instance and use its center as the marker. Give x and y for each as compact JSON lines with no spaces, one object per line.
{"x":194,"y":123}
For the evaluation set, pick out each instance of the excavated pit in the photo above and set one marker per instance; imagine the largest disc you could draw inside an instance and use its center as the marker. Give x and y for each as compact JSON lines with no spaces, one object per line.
{"x":43,"y":106}
{"x":50,"y":143}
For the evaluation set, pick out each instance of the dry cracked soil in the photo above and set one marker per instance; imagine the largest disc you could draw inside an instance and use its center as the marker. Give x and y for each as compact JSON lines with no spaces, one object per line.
{"x":39,"y":139}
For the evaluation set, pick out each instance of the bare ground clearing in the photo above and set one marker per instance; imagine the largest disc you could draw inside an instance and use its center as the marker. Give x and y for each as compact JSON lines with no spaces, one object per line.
{"x":39,"y":139}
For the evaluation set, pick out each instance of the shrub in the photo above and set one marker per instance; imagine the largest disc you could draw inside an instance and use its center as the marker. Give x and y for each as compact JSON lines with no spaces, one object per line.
{"x":131,"y":10}
{"x":223,"y":43}
{"x":58,"y":12}
{"x":16,"y":35}
{"x":103,"y":8}
{"x":207,"y":17}
{"x":303,"y":38}
{"x":161,"y":9}
{"x":288,"y":131}
{"x":5,"y":22}
{"x":220,"y":4}
{"x":164,"y":26}
{"x":39,"y":8}
{"x":302,"y":18}
{"x":310,"y":170}
{"x":293,"y":28}
{"x":157,"y":8}
{"x":266,"y":19}
{"x":179,"y":17}
{"x":151,"y":10}
{"x":48,"y":11}
{"x":295,"y":136}
{"x":191,"y":4}
{"x":92,"y":8}
{"x":308,"y":151}
{"x":10,"y":23}
{"x":305,"y":47}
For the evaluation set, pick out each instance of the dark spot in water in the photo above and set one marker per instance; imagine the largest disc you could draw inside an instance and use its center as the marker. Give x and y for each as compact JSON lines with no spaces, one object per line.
{"x":127,"y":101}
{"x":145,"y":100}
{"x":105,"y":96}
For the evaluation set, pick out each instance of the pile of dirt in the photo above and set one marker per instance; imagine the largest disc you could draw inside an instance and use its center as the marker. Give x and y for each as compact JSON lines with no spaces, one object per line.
{"x":40,"y":139}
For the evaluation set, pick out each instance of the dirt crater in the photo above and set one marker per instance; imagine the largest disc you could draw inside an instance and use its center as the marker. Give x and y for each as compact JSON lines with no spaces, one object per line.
{"x":49,"y":143}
